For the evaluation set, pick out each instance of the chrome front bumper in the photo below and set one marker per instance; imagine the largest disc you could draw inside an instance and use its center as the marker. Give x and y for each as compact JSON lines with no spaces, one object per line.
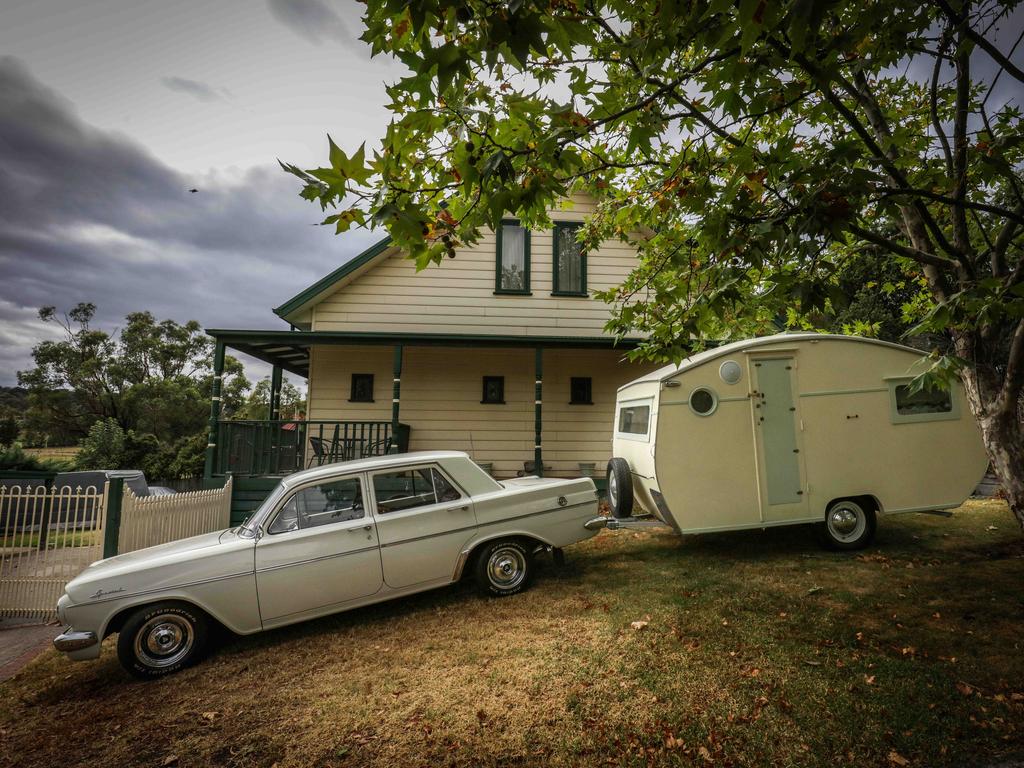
{"x":74,"y":641}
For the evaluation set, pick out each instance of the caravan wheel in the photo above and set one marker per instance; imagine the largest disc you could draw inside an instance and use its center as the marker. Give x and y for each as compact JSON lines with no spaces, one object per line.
{"x":620,"y":488}
{"x":848,"y":525}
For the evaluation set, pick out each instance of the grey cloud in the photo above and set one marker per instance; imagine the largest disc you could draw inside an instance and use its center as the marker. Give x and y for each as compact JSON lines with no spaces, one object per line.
{"x":312,"y":19}
{"x":89,"y":215}
{"x":202,"y":91}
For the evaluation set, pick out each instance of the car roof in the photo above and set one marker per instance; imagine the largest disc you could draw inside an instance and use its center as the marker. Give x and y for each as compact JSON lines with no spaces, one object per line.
{"x":370,"y":463}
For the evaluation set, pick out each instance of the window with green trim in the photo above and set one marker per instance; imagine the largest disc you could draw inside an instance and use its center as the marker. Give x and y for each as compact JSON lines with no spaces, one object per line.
{"x":512,"y":259}
{"x":569,"y":277}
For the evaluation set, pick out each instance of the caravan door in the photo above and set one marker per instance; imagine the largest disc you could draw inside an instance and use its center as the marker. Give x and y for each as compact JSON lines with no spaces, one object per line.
{"x":782,"y":478}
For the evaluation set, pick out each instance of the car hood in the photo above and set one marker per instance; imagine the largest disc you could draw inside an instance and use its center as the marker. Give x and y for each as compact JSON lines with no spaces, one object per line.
{"x":135,"y":571}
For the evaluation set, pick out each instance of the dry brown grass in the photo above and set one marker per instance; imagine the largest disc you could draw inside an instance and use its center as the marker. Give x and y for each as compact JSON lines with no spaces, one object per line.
{"x":760,"y":649}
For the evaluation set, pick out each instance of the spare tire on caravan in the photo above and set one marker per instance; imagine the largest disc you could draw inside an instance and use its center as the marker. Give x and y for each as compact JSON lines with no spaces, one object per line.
{"x":792,"y":428}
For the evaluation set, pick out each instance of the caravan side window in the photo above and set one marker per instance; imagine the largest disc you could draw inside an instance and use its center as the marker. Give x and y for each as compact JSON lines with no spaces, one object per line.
{"x":634,"y":420}
{"x":923,"y":405}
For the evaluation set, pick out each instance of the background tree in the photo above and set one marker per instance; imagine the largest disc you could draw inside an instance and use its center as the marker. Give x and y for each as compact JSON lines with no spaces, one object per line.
{"x":8,"y":429}
{"x":138,"y":395}
{"x":257,"y":402}
{"x":761,"y":148}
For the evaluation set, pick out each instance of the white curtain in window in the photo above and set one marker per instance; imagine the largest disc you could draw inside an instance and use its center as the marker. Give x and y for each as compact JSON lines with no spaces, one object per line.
{"x":570,"y":263}
{"x":513,"y":258}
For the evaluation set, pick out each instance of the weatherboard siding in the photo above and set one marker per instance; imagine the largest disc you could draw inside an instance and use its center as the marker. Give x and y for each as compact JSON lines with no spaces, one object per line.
{"x":442,"y":389}
{"x":458,"y":295}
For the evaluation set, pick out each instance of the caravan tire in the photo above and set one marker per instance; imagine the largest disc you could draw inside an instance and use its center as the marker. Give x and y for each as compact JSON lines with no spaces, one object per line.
{"x":848,"y":525}
{"x":620,"y":488}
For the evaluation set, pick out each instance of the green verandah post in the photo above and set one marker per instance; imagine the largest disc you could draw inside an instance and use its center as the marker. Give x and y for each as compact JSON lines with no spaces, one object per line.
{"x":273,"y":414}
{"x":211,"y":438}
{"x":275,"y":394}
{"x":396,"y":395}
{"x":112,"y":525}
{"x":538,"y":453}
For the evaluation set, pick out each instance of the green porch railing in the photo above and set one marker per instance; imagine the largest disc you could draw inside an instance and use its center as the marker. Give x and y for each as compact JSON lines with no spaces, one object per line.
{"x":279,"y":447}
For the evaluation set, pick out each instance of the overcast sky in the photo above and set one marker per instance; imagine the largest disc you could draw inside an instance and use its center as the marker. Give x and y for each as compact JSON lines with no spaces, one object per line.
{"x":110,"y":112}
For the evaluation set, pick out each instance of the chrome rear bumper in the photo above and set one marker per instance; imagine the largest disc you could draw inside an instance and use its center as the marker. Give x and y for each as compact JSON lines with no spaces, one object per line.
{"x":74,"y":641}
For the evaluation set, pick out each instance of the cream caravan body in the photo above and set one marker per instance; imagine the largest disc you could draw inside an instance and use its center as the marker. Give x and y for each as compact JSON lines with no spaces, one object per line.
{"x":780,"y":429}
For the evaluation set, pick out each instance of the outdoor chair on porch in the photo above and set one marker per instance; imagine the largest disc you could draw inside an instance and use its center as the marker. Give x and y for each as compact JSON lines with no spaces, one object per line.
{"x":530,"y":468}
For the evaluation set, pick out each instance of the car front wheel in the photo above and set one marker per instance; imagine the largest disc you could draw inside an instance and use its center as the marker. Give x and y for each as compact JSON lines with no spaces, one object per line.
{"x":162,"y":638}
{"x":503,"y":568}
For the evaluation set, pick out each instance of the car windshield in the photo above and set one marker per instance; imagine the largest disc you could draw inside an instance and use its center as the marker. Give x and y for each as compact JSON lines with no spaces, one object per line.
{"x":248,"y":528}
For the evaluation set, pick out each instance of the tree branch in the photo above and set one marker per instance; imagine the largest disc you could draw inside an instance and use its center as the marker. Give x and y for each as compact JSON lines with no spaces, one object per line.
{"x":985,"y":45}
{"x":921,"y":257}
{"x":1013,"y":383}
{"x":933,"y":103}
{"x":961,"y":238}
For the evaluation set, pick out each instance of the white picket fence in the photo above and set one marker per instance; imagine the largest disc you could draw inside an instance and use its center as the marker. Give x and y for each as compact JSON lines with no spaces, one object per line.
{"x":47,"y":537}
{"x":150,"y":520}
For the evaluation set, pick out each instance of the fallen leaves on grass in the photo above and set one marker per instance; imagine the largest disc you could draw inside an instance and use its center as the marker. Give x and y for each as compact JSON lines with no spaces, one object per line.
{"x":639,"y":624}
{"x":895,"y":758}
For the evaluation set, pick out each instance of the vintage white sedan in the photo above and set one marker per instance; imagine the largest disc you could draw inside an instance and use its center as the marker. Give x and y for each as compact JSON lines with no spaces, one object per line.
{"x":325,"y":540}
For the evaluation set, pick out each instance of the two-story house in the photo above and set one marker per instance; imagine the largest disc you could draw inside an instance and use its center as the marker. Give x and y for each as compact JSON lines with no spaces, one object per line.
{"x":499,"y":352}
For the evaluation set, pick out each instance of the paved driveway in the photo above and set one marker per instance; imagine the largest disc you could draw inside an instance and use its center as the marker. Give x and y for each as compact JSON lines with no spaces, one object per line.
{"x":20,"y":643}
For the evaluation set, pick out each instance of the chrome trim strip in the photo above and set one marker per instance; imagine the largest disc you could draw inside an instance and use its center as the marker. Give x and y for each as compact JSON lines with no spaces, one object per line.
{"x":825,"y":392}
{"x":167,"y":588}
{"x":460,"y":564}
{"x":315,"y":559}
{"x":473,"y":527}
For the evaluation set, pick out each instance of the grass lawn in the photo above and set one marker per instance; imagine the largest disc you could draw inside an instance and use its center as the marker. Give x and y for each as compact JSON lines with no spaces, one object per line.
{"x":758,"y":649}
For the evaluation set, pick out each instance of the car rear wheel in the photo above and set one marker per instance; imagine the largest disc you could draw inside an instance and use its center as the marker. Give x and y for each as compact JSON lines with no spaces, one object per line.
{"x":503,"y":568}
{"x":620,"y":488}
{"x":848,"y":525}
{"x":161,"y":639}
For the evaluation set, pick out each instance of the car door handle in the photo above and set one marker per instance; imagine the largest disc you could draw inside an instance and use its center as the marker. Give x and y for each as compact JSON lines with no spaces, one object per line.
{"x":360,"y":528}
{"x":463,"y":508}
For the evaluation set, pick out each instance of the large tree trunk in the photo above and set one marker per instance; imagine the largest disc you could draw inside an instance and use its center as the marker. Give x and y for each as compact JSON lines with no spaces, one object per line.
{"x":1001,"y":431}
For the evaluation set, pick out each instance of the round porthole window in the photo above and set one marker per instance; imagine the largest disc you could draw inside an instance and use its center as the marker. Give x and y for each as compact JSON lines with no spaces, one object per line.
{"x":703,"y":401}
{"x":730,"y":371}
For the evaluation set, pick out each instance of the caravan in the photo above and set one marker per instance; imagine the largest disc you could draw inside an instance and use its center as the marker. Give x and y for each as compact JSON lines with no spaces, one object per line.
{"x":792,"y":428}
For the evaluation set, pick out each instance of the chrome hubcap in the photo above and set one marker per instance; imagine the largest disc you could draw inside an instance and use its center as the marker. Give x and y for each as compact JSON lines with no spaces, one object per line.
{"x":846,"y":522}
{"x":164,"y":640}
{"x":506,"y":568}
{"x":613,"y":490}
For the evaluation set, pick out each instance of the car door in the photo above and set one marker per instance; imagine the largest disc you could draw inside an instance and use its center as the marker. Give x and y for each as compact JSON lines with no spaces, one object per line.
{"x":423,"y":521}
{"x":318,"y":550}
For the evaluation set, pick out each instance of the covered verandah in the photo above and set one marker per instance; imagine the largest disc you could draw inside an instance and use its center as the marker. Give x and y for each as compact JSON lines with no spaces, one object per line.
{"x":282,"y":445}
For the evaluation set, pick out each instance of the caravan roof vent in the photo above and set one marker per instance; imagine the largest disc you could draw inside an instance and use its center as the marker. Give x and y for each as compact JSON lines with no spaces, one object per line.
{"x":730,"y":371}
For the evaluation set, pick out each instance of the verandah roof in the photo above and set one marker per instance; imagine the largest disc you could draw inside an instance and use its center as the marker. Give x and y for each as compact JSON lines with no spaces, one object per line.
{"x":290,"y":349}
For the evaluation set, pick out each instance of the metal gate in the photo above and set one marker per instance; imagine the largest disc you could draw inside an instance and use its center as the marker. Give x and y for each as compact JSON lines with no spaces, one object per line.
{"x":47,"y":537}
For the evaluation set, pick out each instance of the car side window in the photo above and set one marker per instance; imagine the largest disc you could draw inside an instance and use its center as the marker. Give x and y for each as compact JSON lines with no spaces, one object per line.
{"x":332,"y":502}
{"x":410,"y":488}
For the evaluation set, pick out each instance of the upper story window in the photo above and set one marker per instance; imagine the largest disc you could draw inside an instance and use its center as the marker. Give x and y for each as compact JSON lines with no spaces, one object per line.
{"x":512,"y":263}
{"x":569,"y":276}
